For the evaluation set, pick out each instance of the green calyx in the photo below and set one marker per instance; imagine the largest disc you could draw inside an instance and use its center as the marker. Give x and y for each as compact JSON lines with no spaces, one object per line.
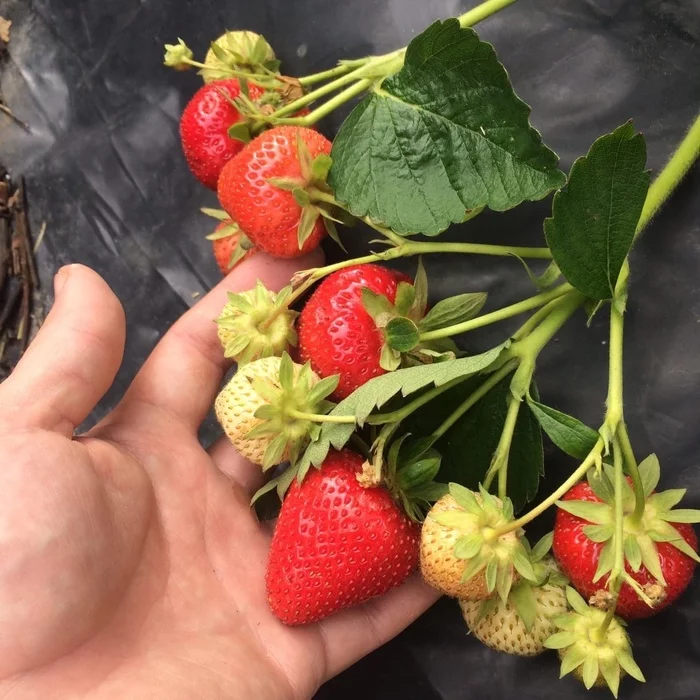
{"x":239,"y":51}
{"x":178,"y":55}
{"x":403,"y":322}
{"x":640,"y":536}
{"x":289,"y":409}
{"x":257,"y":324}
{"x":595,"y":649}
{"x":409,"y":475}
{"x":312,"y":194}
{"x":499,"y":557}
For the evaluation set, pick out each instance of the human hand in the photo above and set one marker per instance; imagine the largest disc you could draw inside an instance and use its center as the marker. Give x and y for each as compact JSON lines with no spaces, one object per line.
{"x":131,"y":565}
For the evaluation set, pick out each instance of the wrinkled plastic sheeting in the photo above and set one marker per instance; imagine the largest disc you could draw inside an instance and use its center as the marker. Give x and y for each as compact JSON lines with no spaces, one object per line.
{"x":105,"y":171}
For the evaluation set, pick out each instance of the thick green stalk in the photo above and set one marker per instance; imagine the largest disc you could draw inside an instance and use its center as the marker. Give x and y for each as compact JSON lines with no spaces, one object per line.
{"x":633,"y":471}
{"x":674,"y":171}
{"x":336,"y":72}
{"x":500,"y":315}
{"x":482,"y":12}
{"x":320,"y":418}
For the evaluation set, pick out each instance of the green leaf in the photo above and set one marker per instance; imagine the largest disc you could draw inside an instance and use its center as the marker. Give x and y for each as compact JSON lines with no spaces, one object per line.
{"x":601,"y":485}
{"x":445,"y":134}
{"x":598,"y":513}
{"x":401,"y":334}
{"x":428,"y":492}
{"x":633,"y":553}
{"x":599,"y":533}
{"x":577,"y":603}
{"x":605,"y":562}
{"x":595,"y":218}
{"x":219,"y":214}
{"x":378,"y":307}
{"x":468,"y":446}
{"x":320,"y":167}
{"x":419,"y":473}
{"x":453,"y":310}
{"x":665,"y":500}
{"x":525,"y":604}
{"x":568,"y":433}
{"x":469,"y":545}
{"x":650,"y":471}
{"x":589,"y":673}
{"x":405,"y":296}
{"x":625,"y":660}
{"x":546,"y":279}
{"x":682,"y":515}
{"x":542,"y":547}
{"x":375,"y":393}
{"x":650,"y":558}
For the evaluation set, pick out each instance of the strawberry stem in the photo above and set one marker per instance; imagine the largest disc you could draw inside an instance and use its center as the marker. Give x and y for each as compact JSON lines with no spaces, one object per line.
{"x":367,"y":73}
{"x":500,"y":315}
{"x":319,"y":418}
{"x":473,"y":399}
{"x":339,"y":70}
{"x":499,"y":463}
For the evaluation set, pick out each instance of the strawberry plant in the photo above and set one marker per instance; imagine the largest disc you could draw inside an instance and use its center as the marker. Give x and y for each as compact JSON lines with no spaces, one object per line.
{"x":442,"y":438}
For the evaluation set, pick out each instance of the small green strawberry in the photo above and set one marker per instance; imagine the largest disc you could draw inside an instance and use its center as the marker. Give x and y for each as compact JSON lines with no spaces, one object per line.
{"x":256,"y":324}
{"x":596,"y":654}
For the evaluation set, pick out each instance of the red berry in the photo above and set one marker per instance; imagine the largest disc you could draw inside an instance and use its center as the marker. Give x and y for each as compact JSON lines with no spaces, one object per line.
{"x":337,"y":544}
{"x":204,"y":128}
{"x":337,"y":335}
{"x":270,"y":215}
{"x":224,"y":248}
{"x":578,"y":557}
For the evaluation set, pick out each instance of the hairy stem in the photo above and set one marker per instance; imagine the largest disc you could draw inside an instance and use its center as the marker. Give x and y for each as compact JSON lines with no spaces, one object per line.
{"x":482,"y":12}
{"x":668,"y":179}
{"x":473,"y":399}
{"x":499,"y":464}
{"x":500,"y":315}
{"x":339,"y":70}
{"x":593,"y":456}
{"x":320,"y":418}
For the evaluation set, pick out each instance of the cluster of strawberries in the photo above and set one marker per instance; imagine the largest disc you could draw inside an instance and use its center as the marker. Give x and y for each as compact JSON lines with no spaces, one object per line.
{"x":344,"y":536}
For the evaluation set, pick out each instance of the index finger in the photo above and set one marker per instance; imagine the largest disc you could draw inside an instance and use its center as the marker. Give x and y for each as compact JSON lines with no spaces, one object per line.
{"x":182,"y":375}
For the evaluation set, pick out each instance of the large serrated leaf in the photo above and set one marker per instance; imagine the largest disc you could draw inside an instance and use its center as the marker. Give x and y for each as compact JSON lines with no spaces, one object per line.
{"x":444,"y":135}
{"x":594,"y":219}
{"x":378,"y":391}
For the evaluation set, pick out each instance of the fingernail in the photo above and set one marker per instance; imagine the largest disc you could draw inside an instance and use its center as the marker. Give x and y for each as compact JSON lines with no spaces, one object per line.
{"x":61,"y":278}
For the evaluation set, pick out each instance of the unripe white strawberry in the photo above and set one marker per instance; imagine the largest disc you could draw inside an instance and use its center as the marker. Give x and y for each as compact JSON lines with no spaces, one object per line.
{"x":260,"y":408}
{"x":460,"y":557}
{"x":506,"y":627}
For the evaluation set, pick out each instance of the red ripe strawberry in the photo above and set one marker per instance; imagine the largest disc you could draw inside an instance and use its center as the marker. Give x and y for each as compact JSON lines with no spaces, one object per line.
{"x":230,"y":246}
{"x":337,"y":335}
{"x":578,"y":556}
{"x":258,"y":188}
{"x":337,"y":544}
{"x":204,"y":128}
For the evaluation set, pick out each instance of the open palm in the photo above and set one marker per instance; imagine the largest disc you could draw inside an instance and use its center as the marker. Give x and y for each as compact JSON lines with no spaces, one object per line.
{"x":131,"y":565}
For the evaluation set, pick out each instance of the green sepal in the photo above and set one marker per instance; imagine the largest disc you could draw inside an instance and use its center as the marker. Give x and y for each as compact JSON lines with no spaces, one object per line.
{"x":589,"y":673}
{"x":650,"y":473}
{"x":605,"y":561}
{"x":401,"y":334}
{"x":218,"y":214}
{"x":240,"y":131}
{"x":525,"y":602}
{"x":307,"y":222}
{"x":597,"y":513}
{"x":453,"y":310}
{"x":541,"y":549}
